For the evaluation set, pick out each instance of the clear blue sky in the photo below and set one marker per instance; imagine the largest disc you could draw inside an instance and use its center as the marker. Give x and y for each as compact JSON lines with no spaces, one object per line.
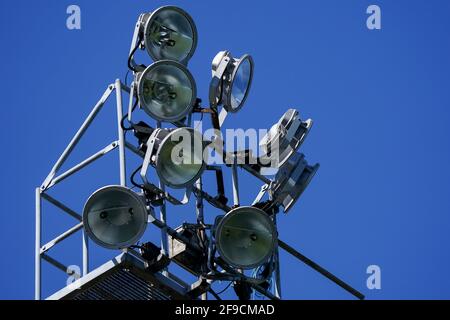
{"x":380,"y":101}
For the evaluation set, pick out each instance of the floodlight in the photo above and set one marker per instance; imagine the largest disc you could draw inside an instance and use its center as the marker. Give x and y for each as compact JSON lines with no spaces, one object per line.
{"x":245,"y":237}
{"x":285,"y":137}
{"x":231,"y":80}
{"x":170,"y":33}
{"x":115,"y":217}
{"x":166,"y":90}
{"x":178,"y":156}
{"x":291,"y":180}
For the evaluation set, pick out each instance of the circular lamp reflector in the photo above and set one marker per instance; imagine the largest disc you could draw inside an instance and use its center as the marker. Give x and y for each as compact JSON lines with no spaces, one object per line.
{"x":180,"y":158}
{"x":170,"y":33}
{"x":167,"y":91}
{"x":285,"y":137}
{"x":231,"y":80}
{"x":245,"y":237}
{"x":241,"y":79}
{"x":115,"y":217}
{"x":291,"y":180}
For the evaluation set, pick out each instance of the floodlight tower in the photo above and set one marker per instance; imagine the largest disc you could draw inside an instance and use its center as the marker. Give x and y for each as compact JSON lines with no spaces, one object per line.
{"x":242,"y":245}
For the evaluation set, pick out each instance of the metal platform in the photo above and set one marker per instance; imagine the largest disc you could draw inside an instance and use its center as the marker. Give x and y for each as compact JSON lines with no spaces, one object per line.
{"x":124,"y":278}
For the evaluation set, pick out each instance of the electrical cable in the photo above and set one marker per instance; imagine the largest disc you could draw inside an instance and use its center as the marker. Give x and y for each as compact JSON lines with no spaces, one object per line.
{"x":140,"y":186}
{"x":122,"y":122}
{"x":132,"y":54}
{"x":214,"y":294}
{"x":226,"y":288}
{"x":126,"y":77}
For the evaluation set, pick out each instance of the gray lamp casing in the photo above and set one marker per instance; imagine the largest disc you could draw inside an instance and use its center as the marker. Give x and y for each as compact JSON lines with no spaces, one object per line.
{"x":169,"y":33}
{"x":225,"y":73}
{"x":183,"y":172}
{"x":291,"y":181}
{"x":284,"y":138}
{"x":115,"y":217}
{"x":166,"y":91}
{"x":245,"y":237}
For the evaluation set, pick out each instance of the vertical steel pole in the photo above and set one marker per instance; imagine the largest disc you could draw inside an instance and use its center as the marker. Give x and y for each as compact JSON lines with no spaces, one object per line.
{"x":121,"y":134}
{"x":236,"y":200}
{"x":277,"y":265}
{"x":235,"y":183}
{"x":200,"y":218}
{"x":163,"y":218}
{"x":85,"y":253}
{"x":37,"y":257}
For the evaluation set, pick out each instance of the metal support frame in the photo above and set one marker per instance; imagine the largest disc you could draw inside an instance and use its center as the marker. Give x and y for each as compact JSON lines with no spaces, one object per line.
{"x":319,"y":269}
{"x":200,"y":194}
{"x":277,"y":271}
{"x":37,"y":248}
{"x":120,"y":132}
{"x":200,"y":219}
{"x":235,"y":182}
{"x":41,"y":251}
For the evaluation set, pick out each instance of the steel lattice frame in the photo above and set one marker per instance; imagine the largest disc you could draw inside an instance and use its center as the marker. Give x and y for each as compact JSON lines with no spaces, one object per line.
{"x":42,"y":250}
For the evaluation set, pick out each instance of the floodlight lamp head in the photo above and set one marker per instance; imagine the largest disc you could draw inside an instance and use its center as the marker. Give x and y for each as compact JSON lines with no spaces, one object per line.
{"x":231,"y":81}
{"x":166,"y":91}
{"x":115,"y":217}
{"x":285,"y":138}
{"x":169,"y":33}
{"x":291,"y":180}
{"x":178,"y":155}
{"x":245,"y":237}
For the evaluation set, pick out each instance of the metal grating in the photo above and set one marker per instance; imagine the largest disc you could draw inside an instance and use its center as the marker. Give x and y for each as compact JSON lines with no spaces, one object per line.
{"x":122,"y":285}
{"x":125,"y":277}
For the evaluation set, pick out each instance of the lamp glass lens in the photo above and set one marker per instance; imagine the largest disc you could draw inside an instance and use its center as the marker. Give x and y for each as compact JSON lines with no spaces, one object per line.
{"x":167,"y":92}
{"x":246,"y":237}
{"x":170,"y":35}
{"x":115,"y":217}
{"x":241,"y":83}
{"x":180,"y":161}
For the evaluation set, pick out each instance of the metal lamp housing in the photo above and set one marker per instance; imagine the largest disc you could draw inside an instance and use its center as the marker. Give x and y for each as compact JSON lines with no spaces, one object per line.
{"x":291,"y":180}
{"x":115,"y":217}
{"x":245,"y":237}
{"x":285,"y":137}
{"x":188,"y":167}
{"x":166,"y":91}
{"x":231,"y":80}
{"x":170,"y":33}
